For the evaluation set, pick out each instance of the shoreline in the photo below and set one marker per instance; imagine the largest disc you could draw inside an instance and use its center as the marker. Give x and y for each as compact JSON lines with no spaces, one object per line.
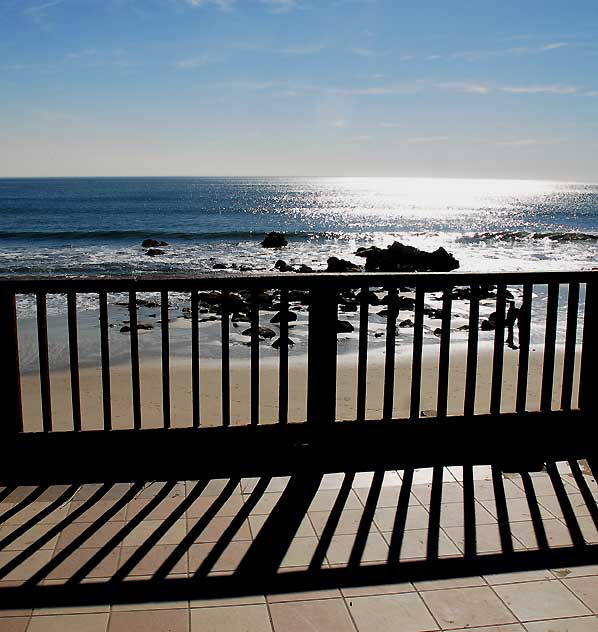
{"x":210,"y":389}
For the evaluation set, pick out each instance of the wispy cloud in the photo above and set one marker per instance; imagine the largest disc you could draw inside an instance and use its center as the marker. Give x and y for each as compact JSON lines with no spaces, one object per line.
{"x":591,"y":93}
{"x":554,"y":45}
{"x":540,"y":89}
{"x":368,"y":52}
{"x":463,"y":86}
{"x":280,"y":6}
{"x":197,"y":62}
{"x":418,"y":140}
{"x":224,"y":5}
{"x":529,"y":142}
{"x":39,"y":13}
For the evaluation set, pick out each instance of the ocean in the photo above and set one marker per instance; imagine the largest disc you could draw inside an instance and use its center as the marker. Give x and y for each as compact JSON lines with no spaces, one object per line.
{"x":95,"y":226}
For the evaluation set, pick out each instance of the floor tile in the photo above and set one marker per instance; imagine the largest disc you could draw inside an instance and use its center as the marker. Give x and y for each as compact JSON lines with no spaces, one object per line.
{"x":522,"y":576}
{"x":467,"y":607}
{"x":580,"y":508}
{"x":216,"y":528}
{"x":106,"y":566}
{"x":305,"y":527}
{"x":557,"y":533}
{"x":70,"y":623}
{"x":153,"y":559}
{"x":144,"y":530}
{"x":487,"y":538}
{"x":32,"y":512}
{"x":484,"y":490}
{"x":452,"y":492}
{"x":35,"y":535}
{"x":327,"y":615}
{"x":453,"y":582}
{"x":389,"y":496}
{"x":586,"y":588}
{"x":232,"y":619}
{"x":508,"y":627}
{"x":310,"y":595}
{"x":159,"y":511}
{"x":95,"y":535}
{"x":230,"y":507}
{"x":341,"y":546}
{"x":300,"y":552}
{"x":266,"y":503}
{"x":14,"y":624}
{"x":34,"y":562}
{"x":228,"y":560}
{"x":517,"y":509}
{"x":348,"y":522}
{"x":150,"y":621}
{"x":324,"y":500}
{"x":415,"y":544}
{"x":576,"y":571}
{"x":577,"y":624}
{"x":378,"y":589}
{"x":541,"y":600}
{"x":385,"y":613}
{"x":417,"y":518}
{"x":97,"y":511}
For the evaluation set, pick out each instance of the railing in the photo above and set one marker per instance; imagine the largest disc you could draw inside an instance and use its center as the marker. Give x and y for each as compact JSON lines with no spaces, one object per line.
{"x":575,"y":369}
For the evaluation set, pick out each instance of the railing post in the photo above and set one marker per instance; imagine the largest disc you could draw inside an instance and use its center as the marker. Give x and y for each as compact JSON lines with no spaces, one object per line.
{"x":12,"y":422}
{"x":321,"y":354}
{"x":589,"y":351}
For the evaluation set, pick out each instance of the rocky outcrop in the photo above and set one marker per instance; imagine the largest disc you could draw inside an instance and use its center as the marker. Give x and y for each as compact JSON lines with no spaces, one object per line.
{"x":152,"y":252}
{"x":341,"y":265}
{"x":274,"y":240}
{"x":343,"y":327}
{"x":153,"y":243}
{"x":401,"y":258}
{"x":263,"y":332}
{"x":279,"y":317}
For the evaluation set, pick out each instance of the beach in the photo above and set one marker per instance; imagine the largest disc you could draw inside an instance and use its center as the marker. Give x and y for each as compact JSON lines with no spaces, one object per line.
{"x":211,"y":399}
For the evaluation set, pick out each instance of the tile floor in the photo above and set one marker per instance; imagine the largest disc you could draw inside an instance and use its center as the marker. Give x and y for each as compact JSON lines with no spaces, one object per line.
{"x":131,"y":532}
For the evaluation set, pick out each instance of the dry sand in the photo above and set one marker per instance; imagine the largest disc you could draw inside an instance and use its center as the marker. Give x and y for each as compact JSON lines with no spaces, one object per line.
{"x":211,"y":400}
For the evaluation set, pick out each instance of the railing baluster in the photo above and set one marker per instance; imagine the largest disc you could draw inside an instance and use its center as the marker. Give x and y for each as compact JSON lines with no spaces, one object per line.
{"x":444,"y":354}
{"x":389,"y":365}
{"x":195,"y":357}
{"x":283,"y":374}
{"x":321,"y":355}
{"x":224,"y":337}
{"x":499,"y":349}
{"x":10,"y":380}
{"x":552,"y":307}
{"x":255,"y":358}
{"x":165,"y":358}
{"x":570,"y":344}
{"x":589,"y":353}
{"x":418,"y":344}
{"x":524,"y":322}
{"x":135,"y":383}
{"x":471,"y":371}
{"x":44,"y":364}
{"x":74,"y":359}
{"x":105,"y":352}
{"x":362,"y":359}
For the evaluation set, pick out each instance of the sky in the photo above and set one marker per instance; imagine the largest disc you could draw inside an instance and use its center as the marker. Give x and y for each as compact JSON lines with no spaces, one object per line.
{"x":466,"y":88}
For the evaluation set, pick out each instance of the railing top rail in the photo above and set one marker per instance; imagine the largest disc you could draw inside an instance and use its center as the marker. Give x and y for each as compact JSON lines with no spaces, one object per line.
{"x":220,"y":281}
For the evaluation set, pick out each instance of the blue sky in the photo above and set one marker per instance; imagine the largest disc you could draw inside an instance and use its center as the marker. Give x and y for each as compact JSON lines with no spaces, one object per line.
{"x":299,"y":87}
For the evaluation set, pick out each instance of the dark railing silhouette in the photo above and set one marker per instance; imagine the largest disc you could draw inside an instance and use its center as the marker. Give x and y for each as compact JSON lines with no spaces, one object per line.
{"x":577,"y":400}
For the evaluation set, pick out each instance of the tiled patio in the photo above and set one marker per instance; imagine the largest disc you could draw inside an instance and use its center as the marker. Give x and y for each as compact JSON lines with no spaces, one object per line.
{"x":349,"y":524}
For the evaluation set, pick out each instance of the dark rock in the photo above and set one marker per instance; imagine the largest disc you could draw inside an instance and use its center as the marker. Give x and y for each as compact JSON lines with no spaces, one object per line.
{"x":283,"y":266}
{"x":219,"y":266}
{"x":369,"y":296}
{"x":343,"y":327}
{"x":279,"y":342}
{"x":438,"y":332}
{"x":431,"y":312}
{"x":341,"y":265}
{"x":401,"y":258}
{"x":378,"y":334}
{"x":463,"y":328}
{"x":239,"y":318}
{"x":406,"y":323}
{"x":349,"y":307}
{"x":263,"y":332}
{"x":152,"y":243}
{"x":277,"y":318}
{"x":304,"y":269}
{"x":140,"y":326}
{"x":401,"y":302}
{"x":152,"y":252}
{"x":487,"y":325}
{"x":299,"y":296}
{"x":274,"y":240}
{"x":245,"y":268}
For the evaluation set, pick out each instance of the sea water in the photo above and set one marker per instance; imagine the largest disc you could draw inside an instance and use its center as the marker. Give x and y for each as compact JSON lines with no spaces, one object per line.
{"x":94,"y":227}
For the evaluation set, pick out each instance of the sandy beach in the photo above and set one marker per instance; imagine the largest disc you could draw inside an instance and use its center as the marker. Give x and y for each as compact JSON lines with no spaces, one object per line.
{"x":211,"y":400}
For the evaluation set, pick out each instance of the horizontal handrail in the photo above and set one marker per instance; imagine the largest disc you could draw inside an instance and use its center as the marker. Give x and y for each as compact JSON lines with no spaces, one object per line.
{"x":216,"y":281}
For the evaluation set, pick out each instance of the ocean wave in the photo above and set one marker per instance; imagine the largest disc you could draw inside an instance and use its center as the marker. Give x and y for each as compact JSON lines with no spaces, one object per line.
{"x":522,"y":235}
{"x":134,"y":235}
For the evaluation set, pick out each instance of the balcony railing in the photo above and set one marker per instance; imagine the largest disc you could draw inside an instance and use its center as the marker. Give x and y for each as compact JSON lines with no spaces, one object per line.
{"x":563,"y":305}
